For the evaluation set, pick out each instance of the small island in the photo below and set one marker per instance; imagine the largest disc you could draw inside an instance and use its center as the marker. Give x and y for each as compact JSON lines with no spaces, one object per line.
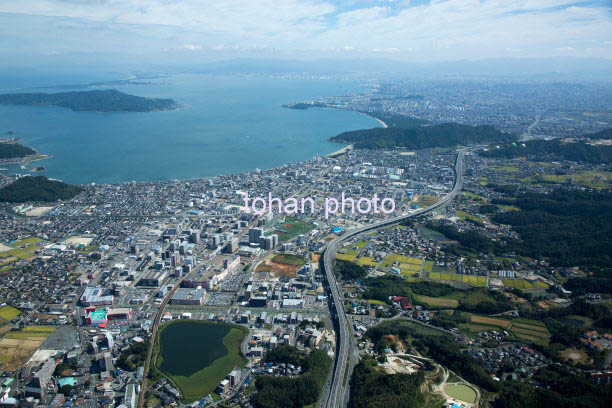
{"x":110,"y":100}
{"x":37,"y":188}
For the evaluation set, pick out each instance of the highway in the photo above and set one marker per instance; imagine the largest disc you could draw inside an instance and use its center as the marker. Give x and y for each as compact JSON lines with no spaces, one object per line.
{"x":335,"y":394}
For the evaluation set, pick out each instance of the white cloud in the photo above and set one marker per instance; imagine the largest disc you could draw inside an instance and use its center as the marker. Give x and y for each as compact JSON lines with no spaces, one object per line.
{"x":439,"y":29}
{"x":192,"y":47}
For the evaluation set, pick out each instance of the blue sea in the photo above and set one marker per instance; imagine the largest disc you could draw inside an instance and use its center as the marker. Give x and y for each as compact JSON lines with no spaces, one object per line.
{"x":227,"y":125}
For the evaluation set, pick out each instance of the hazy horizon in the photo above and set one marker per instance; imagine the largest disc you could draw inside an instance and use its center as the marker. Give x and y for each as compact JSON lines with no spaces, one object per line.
{"x":153,"y":33}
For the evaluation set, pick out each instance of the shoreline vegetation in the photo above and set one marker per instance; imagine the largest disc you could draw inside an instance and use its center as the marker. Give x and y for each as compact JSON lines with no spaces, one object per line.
{"x":318,"y":105}
{"x":204,"y":380}
{"x":110,"y":100}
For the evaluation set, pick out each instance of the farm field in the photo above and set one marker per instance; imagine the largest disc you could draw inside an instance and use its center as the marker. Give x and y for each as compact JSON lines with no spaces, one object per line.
{"x":522,"y":328}
{"x":438,"y":301}
{"x":476,"y":281}
{"x":368,"y":261}
{"x":491,"y":321}
{"x":518,"y":283}
{"x":346,"y":257}
{"x":9,"y":313}
{"x":16,"y":347}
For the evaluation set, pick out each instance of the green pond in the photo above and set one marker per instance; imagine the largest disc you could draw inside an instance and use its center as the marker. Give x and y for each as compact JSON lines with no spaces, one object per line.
{"x":188,"y":347}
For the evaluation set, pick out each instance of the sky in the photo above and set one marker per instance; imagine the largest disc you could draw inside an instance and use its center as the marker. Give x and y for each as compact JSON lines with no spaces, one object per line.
{"x":411,"y":30}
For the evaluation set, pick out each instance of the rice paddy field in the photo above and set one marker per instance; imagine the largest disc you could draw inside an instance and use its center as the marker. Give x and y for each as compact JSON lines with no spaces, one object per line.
{"x":11,"y":252}
{"x":477,"y":281}
{"x":410,"y":267}
{"x":368,"y":261}
{"x":525,"y":329}
{"x":16,"y":347}
{"x":444,"y":302}
{"x":9,"y":313}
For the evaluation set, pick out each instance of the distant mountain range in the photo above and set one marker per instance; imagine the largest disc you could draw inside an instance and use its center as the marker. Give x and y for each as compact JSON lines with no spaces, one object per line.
{"x":110,"y":100}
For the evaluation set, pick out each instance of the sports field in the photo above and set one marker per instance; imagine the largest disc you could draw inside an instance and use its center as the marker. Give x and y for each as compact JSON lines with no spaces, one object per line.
{"x":291,"y":228}
{"x":461,"y":392}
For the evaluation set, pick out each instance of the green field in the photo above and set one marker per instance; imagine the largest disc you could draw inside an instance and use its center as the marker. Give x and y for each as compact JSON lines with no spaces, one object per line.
{"x":438,"y":301}
{"x":521,"y":284}
{"x":289,"y":259}
{"x":427,"y":200}
{"x":461,"y":392}
{"x":346,"y":257}
{"x":291,"y":228}
{"x":430,"y":234}
{"x":466,"y":216}
{"x":366,"y":260}
{"x":197,"y":355}
{"x":413,"y":327}
{"x":30,"y":332}
{"x":26,"y":241}
{"x":9,"y":313}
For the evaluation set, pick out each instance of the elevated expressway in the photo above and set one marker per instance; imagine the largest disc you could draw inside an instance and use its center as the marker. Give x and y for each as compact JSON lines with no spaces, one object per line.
{"x":335,"y":394}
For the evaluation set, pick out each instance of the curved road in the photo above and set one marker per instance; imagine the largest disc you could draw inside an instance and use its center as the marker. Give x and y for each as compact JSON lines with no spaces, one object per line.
{"x":335,"y":392}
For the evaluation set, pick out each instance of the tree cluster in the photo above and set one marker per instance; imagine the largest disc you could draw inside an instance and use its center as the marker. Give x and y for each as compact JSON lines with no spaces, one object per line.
{"x":37,"y":188}
{"x":287,"y":392}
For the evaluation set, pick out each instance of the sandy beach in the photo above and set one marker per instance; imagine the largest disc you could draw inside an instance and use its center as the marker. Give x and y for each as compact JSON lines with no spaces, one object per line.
{"x":343,"y":150}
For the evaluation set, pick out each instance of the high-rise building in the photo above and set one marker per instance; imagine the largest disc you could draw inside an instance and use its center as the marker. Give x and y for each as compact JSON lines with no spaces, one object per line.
{"x":274,"y":240}
{"x":254,"y":234}
{"x":266,"y":243}
{"x":195,"y":237}
{"x":232,"y":246}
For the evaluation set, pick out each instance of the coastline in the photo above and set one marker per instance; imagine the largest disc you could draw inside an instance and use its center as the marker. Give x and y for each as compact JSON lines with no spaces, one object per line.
{"x":36,"y":157}
{"x":341,"y":151}
{"x":383,"y":123}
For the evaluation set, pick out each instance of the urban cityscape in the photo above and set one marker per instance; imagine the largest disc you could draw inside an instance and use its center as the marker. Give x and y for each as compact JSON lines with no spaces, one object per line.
{"x":343,"y":237}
